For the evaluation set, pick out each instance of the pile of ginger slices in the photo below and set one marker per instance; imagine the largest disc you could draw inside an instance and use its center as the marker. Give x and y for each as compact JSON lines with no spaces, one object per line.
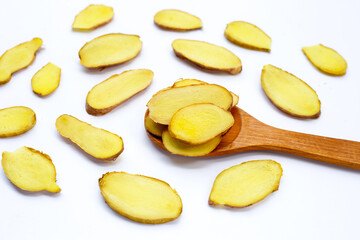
{"x":191,"y":116}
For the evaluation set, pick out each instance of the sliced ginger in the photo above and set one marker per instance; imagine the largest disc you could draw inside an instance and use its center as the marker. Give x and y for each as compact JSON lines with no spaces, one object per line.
{"x":140,"y":198}
{"x":109,"y":94}
{"x":93,"y":17}
{"x":235,"y":99}
{"x":165,"y":103}
{"x":207,"y":56}
{"x":177,"y":20}
{"x":46,"y":80}
{"x":248,"y":35}
{"x":153,"y":127}
{"x":97,"y":142}
{"x":245,"y":184}
{"x":199,"y":123}
{"x":110,"y":49}
{"x":17,"y":58}
{"x":187,"y":82}
{"x":326,"y":59}
{"x":30,"y":170}
{"x":16,"y":120}
{"x":289,"y":93}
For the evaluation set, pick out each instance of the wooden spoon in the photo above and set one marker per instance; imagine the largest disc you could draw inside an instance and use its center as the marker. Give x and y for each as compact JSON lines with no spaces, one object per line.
{"x":248,"y":134}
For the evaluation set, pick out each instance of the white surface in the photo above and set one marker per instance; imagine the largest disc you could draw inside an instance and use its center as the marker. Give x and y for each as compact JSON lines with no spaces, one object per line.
{"x":314,"y":201}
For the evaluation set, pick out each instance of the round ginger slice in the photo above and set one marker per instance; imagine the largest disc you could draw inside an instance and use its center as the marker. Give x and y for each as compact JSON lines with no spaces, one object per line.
{"x":326,"y":59}
{"x":110,"y":49}
{"x":177,"y":20}
{"x":30,"y":170}
{"x":289,"y":93}
{"x":93,"y":17}
{"x":187,"y":82}
{"x":16,"y":120}
{"x":207,"y":56}
{"x":245,"y":184}
{"x":153,"y":127}
{"x":199,"y":123}
{"x":140,"y":198}
{"x":46,"y":80}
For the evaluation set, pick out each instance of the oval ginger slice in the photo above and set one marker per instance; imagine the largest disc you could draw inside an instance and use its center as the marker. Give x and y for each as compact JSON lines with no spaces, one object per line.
{"x":110,"y":49}
{"x":17,"y":58}
{"x":245,"y":184}
{"x":30,"y":170}
{"x":153,"y":127}
{"x":16,"y":120}
{"x":93,"y":17}
{"x":46,"y":80}
{"x":207,"y":56}
{"x":199,"y":123}
{"x":140,"y":198}
{"x":248,"y":35}
{"x":177,"y":20}
{"x":187,"y":82}
{"x":97,"y":142}
{"x":326,"y":59}
{"x":109,"y":94}
{"x":289,"y":93}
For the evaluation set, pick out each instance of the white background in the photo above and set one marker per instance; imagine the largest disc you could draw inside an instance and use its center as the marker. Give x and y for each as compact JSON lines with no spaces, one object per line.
{"x":315,"y":200}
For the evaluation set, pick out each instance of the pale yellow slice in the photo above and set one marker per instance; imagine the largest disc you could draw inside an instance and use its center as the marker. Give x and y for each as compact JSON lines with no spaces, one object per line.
{"x":207,"y":56}
{"x":245,"y":184}
{"x":199,"y":123}
{"x":235,"y":99}
{"x":16,"y":120}
{"x":248,"y":35}
{"x":30,"y":170}
{"x":187,"y":82}
{"x":46,"y":80}
{"x":97,"y":142}
{"x":326,"y":59}
{"x":289,"y":93}
{"x":110,"y":49}
{"x":177,"y":20}
{"x":109,"y":94}
{"x":165,"y":103}
{"x":93,"y":17}
{"x":178,"y":147}
{"x":153,"y":127}
{"x":17,"y":58}
{"x":140,"y":198}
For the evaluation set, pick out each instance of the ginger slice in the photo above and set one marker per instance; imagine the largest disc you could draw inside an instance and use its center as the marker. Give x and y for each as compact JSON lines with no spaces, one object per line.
{"x":177,"y":20}
{"x":110,"y":49}
{"x":97,"y":142}
{"x":248,"y":36}
{"x":207,"y":56}
{"x":326,"y":59}
{"x":178,"y":147}
{"x":17,"y":58}
{"x":187,"y":82}
{"x":46,"y":80}
{"x":235,"y":99}
{"x":289,"y":93}
{"x":153,"y":127}
{"x":245,"y":184}
{"x":109,"y":94}
{"x":16,"y":120}
{"x":199,"y":123}
{"x":165,"y":103}
{"x":140,"y":198}
{"x":30,"y":170}
{"x":93,"y":17}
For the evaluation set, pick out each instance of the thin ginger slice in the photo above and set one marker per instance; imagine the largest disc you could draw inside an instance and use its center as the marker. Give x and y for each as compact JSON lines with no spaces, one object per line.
{"x":187,"y":82}
{"x":97,"y":142}
{"x":289,"y":93}
{"x":245,"y":184}
{"x":46,"y":80}
{"x":16,"y":120}
{"x":30,"y":170}
{"x":165,"y":103}
{"x":17,"y":58}
{"x":110,"y":49}
{"x":140,"y":198}
{"x":199,"y":123}
{"x":177,"y":20}
{"x":93,"y":17}
{"x":178,"y":147}
{"x":326,"y":59}
{"x":207,"y":56}
{"x":109,"y":94}
{"x":248,"y":35}
{"x":235,"y":99}
{"x":153,"y":127}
